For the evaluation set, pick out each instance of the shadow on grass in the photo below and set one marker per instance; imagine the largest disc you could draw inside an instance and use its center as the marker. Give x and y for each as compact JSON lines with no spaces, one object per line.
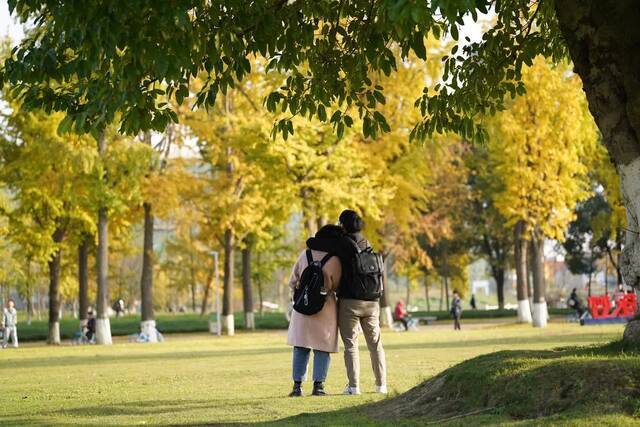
{"x":142,"y":409}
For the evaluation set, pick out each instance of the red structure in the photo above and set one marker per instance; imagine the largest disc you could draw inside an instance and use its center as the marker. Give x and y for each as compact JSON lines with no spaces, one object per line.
{"x":626,"y":306}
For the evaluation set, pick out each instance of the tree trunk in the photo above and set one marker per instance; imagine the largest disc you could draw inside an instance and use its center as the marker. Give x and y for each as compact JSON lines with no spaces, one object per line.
{"x":148,"y":322}
{"x":426,"y":292}
{"x":408,"y":294}
{"x":29,"y":287}
{"x":29,"y":305}
{"x":83,"y":282}
{"x":228,"y":326}
{"x":498,"y":275}
{"x":103,"y":327}
{"x":530,"y":269}
{"x":247,"y":294}
{"x":539,"y":303}
{"x":308,"y":213}
{"x":520,"y":255}
{"x":207,"y":292}
{"x":600,"y":34}
{"x":446,"y":291}
{"x":193,"y":296}
{"x":259,"y":285}
{"x":441,"y":293}
{"x":322,"y":221}
{"x":385,"y":311}
{"x":54,"y":298}
{"x":192,"y":272}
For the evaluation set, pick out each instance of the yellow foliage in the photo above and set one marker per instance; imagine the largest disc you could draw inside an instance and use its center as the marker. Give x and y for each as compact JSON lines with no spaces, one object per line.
{"x":541,"y":147}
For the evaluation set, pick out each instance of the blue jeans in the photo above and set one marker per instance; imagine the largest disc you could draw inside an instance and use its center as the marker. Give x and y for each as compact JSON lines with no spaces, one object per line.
{"x":321,"y":361}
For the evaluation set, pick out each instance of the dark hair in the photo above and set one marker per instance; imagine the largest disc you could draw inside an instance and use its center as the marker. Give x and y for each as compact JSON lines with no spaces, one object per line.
{"x":330,"y":231}
{"x":351,"y":221}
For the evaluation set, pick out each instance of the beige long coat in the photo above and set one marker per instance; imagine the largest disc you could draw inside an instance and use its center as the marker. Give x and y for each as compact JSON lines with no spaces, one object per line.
{"x":318,"y":331}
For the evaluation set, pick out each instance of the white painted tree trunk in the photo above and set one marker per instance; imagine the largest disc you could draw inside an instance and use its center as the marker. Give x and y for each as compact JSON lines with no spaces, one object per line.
{"x":540,"y":314}
{"x":148,"y":327}
{"x":385,"y":316}
{"x":228,"y":325}
{"x":524,"y":311}
{"x":54,"y":333}
{"x":250,"y":320}
{"x":103,"y":331}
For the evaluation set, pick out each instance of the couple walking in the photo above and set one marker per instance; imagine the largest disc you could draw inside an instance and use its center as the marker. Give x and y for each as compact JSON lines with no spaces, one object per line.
{"x":337,"y":282}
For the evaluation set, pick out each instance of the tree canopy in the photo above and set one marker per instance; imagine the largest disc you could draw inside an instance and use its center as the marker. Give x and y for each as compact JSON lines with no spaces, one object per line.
{"x":95,"y":60}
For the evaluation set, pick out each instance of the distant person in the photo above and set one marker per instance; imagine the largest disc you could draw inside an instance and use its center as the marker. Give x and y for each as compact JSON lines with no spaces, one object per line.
{"x":456,"y":310}
{"x":472,"y":303}
{"x":10,"y":324}
{"x":574,"y":303}
{"x":317,"y":331}
{"x":400,"y":314}
{"x":118,"y":307}
{"x":91,"y":326}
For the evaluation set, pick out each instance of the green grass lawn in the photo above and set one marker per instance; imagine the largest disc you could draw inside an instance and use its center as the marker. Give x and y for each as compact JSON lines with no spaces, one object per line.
{"x":201,"y":379}
{"x":191,"y":322}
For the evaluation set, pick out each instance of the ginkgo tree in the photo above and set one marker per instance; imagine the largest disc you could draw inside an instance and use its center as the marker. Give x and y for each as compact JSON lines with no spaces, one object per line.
{"x":540,"y":149}
{"x":49,"y":177}
{"x":240,"y":182}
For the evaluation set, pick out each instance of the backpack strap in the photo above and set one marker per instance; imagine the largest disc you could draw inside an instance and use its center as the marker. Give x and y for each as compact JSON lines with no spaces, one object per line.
{"x":326,"y":258}
{"x":309,"y":257}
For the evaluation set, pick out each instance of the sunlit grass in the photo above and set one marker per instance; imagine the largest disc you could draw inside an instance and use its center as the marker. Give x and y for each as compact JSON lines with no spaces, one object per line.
{"x":199,"y":379}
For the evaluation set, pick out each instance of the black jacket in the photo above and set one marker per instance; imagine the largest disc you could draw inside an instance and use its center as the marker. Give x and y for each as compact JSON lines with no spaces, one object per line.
{"x":345,"y":250}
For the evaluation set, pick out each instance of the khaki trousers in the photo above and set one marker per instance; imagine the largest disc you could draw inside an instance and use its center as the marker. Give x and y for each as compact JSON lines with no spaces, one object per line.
{"x":353,"y":315}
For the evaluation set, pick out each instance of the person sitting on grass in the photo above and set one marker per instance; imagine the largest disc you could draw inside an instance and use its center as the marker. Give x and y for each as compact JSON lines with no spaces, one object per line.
{"x":400,"y":314}
{"x":318,"y":331}
{"x":10,"y":324}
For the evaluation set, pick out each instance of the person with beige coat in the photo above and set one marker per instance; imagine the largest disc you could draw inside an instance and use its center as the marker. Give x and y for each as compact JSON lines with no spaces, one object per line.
{"x":317,"y":332}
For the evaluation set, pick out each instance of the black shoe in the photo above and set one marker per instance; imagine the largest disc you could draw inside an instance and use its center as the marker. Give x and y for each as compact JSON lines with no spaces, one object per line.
{"x":297,"y":390}
{"x":318,"y":389}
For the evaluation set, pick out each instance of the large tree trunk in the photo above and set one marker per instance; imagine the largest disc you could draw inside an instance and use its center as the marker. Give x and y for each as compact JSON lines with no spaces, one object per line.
{"x":148,"y":322}
{"x":539,"y":302}
{"x":103,"y":327}
{"x":520,"y":255}
{"x":54,"y":298}
{"x":83,"y":282}
{"x":603,"y":37}
{"x":247,"y":294}
{"x":228,"y":326}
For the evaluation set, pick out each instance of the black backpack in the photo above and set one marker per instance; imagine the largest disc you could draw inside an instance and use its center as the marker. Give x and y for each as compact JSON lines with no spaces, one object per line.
{"x":310,"y":295}
{"x":368,"y":270}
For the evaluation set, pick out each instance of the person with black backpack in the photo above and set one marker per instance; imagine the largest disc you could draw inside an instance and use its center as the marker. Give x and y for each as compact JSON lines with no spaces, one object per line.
{"x":314,"y":320}
{"x":359,"y":307}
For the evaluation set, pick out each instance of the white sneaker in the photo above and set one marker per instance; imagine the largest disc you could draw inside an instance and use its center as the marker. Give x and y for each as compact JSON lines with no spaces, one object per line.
{"x":353,"y":391}
{"x":382,"y":389}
